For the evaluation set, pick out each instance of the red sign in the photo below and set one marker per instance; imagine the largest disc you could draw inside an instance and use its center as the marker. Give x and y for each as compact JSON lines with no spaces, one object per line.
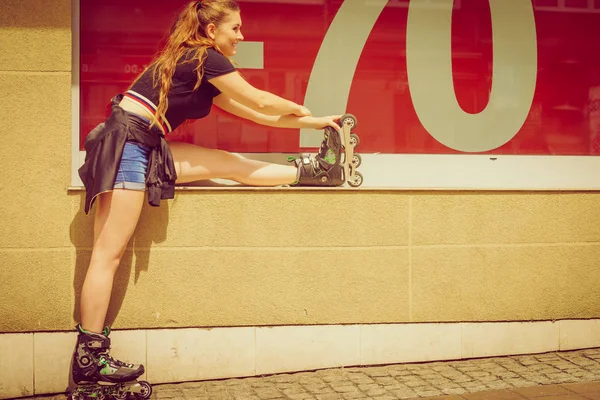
{"x":477,"y":85}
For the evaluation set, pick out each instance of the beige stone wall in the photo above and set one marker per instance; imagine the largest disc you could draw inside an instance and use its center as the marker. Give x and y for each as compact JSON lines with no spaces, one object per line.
{"x":267,"y":257}
{"x":36,"y":255}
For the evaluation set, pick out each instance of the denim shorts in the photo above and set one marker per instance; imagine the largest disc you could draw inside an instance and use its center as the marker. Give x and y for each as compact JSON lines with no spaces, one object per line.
{"x":132,"y":170}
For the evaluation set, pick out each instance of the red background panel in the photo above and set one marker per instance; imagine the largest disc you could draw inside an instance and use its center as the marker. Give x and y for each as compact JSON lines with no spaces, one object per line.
{"x":117,"y":39}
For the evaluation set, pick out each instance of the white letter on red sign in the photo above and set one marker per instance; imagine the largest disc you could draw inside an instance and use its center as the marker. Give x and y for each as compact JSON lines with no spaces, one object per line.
{"x":331,"y":77}
{"x":429,"y":59}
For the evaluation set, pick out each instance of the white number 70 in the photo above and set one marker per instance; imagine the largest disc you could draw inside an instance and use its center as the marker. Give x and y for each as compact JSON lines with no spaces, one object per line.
{"x":429,"y":66}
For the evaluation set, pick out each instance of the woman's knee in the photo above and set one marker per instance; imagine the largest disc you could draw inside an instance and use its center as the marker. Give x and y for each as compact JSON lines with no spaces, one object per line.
{"x":236,"y":167}
{"x":106,"y":257}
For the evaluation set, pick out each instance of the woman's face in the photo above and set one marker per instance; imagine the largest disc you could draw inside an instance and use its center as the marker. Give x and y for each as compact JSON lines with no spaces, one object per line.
{"x":228,"y":33}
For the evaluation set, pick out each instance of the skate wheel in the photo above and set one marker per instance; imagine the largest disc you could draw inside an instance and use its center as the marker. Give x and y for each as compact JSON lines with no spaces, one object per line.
{"x":76,"y":395}
{"x":356,"y":180}
{"x":350,"y":120}
{"x":121,"y":395}
{"x":146,"y":391}
{"x":356,"y":160}
{"x":354,"y":140}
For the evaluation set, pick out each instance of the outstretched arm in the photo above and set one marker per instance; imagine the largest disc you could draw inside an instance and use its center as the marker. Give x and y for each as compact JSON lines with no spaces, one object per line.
{"x":230,"y":105}
{"x":237,"y":88}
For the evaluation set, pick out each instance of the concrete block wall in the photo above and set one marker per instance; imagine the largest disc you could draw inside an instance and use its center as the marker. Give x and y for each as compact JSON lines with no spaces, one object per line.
{"x":261,"y":257}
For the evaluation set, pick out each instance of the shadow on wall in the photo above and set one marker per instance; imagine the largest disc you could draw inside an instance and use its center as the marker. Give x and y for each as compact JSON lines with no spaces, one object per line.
{"x":151,"y":228}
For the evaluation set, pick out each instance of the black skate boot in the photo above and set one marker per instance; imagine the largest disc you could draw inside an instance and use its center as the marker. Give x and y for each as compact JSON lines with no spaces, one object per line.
{"x":93,"y":363}
{"x":97,"y":374}
{"x":315,"y":171}
{"x":331,"y":151}
{"x":326,"y":167}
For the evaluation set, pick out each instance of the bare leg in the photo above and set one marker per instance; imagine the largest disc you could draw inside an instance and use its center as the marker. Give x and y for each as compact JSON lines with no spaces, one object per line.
{"x":117,"y":215}
{"x":195,"y":163}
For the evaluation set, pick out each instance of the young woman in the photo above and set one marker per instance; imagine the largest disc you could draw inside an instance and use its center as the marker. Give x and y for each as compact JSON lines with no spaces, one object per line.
{"x":127,"y":155}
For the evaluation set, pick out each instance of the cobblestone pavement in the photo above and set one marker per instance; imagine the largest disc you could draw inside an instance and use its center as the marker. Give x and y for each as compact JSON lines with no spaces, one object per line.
{"x":452,"y":379}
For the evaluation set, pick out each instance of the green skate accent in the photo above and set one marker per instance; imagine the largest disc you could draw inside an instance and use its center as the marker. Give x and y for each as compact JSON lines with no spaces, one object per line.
{"x":80,"y":329}
{"x":107,"y":370}
{"x":105,"y":331}
{"x":330,"y":157}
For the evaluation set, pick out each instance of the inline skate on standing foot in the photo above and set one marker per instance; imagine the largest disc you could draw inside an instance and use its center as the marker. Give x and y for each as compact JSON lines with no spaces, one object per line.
{"x":100,"y":376}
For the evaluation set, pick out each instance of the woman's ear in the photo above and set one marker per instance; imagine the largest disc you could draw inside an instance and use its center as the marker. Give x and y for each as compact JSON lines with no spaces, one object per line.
{"x":210,"y":31}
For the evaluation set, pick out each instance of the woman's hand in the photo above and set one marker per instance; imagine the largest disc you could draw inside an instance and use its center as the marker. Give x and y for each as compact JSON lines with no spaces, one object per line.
{"x":322,"y":122}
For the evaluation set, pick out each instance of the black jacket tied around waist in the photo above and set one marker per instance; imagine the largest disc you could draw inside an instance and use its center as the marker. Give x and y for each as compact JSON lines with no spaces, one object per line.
{"x":104,"y":149}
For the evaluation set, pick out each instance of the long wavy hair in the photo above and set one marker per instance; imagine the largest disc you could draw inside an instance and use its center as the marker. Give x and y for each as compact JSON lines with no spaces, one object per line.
{"x":188,"y":33}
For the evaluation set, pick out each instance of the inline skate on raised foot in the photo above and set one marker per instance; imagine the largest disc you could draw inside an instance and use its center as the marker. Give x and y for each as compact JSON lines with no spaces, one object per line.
{"x":314,"y":171}
{"x":99,"y":376}
{"x":351,"y":159}
{"x":336,"y":162}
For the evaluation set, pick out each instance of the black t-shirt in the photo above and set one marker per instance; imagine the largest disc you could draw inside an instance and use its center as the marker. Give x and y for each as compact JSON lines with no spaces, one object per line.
{"x":185,"y":102}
